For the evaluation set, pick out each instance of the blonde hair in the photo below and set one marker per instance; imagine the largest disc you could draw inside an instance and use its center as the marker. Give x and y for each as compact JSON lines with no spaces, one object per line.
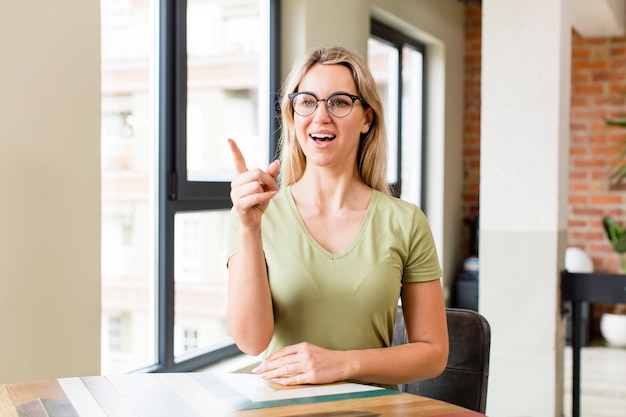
{"x":372,"y":152}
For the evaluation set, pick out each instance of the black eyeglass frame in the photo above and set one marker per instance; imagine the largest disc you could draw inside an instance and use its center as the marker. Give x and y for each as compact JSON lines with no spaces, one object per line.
{"x":353,"y":97}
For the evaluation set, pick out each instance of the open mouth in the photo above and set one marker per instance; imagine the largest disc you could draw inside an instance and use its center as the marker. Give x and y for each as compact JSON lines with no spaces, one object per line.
{"x":322,"y":137}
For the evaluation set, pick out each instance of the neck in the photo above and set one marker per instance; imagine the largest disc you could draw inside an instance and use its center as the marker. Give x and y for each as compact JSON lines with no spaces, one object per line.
{"x":320,"y":189}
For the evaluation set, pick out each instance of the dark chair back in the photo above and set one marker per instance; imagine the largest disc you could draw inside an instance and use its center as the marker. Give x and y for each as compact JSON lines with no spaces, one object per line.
{"x":464,"y":381}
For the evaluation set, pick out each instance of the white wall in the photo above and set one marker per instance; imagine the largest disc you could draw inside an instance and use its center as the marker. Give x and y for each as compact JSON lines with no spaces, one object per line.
{"x":526,"y":62}
{"x":50,"y":189}
{"x":307,"y":24}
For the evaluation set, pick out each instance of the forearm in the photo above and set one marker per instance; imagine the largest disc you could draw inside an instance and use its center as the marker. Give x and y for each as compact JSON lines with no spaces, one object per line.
{"x":305,"y":363}
{"x":249,"y":312}
{"x":397,"y":364}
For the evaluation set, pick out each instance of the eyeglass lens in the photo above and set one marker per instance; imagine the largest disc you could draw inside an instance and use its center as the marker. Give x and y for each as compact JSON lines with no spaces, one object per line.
{"x":339,"y":105}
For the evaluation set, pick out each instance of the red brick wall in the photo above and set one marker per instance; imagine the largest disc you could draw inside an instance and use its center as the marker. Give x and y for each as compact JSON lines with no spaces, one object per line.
{"x":471,"y":122}
{"x":598,"y":92}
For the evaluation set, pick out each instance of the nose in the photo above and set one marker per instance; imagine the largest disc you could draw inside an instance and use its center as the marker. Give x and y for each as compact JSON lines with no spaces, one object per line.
{"x":321,"y":112}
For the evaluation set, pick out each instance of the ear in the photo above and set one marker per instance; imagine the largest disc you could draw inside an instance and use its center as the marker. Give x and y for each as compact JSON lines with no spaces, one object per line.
{"x":367,"y":121}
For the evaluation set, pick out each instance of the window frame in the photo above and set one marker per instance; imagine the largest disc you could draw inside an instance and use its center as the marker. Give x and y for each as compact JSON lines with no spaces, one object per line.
{"x":175,"y":193}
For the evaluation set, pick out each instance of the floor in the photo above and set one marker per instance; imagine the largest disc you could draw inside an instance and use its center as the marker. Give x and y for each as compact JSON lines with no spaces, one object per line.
{"x":602,"y":381}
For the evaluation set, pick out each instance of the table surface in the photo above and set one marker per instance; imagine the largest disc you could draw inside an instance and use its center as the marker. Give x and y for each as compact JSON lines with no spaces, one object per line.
{"x":211,"y":395}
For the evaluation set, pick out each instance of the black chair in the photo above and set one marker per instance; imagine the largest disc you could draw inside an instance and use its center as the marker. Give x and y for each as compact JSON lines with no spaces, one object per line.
{"x":464,"y":381}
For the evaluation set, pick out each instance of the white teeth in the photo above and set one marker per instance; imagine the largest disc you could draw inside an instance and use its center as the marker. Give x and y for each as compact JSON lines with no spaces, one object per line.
{"x":322,"y":136}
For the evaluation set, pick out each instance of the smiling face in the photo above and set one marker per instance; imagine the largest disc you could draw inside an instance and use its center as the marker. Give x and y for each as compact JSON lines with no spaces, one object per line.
{"x":327,"y":140}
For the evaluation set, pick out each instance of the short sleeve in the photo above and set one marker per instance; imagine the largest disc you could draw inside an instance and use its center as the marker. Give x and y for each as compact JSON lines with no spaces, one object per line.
{"x":422,"y":262}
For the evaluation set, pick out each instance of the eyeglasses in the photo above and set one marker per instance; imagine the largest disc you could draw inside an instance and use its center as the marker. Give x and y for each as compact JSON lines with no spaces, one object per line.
{"x":337,"y":104}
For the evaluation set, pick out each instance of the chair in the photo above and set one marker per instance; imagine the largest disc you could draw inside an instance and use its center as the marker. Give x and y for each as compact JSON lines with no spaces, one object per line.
{"x":464,"y":381}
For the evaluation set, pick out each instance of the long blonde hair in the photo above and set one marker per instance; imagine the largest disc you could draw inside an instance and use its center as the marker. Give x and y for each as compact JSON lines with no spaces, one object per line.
{"x":372,"y":153}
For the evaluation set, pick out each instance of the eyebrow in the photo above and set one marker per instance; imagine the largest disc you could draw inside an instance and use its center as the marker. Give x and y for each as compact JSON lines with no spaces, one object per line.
{"x":330,"y":95}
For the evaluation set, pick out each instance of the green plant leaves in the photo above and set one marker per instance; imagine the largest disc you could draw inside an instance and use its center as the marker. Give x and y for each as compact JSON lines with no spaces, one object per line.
{"x":615,"y":234}
{"x":618,"y":172}
{"x":616,"y":122}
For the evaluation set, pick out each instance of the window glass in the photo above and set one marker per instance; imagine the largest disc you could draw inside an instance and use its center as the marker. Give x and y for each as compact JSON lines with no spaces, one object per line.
{"x":383,"y":60}
{"x":201,"y":280}
{"x":128,"y":176}
{"x":412,"y":84}
{"x":225,"y":46}
{"x":397,"y":64}
{"x":226,"y":77}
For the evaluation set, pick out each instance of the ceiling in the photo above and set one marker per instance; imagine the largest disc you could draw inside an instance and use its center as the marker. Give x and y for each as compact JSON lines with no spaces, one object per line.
{"x":599,"y":18}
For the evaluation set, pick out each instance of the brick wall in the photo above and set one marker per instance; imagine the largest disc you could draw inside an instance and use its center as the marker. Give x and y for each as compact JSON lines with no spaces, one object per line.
{"x":471,"y":121}
{"x":598,"y":92}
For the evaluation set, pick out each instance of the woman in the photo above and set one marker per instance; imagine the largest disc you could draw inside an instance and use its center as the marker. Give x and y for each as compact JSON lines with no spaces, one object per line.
{"x":316,"y":268}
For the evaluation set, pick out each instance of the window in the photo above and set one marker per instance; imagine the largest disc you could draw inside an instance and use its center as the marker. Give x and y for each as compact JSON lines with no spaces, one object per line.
{"x":128,"y":181}
{"x":115,"y":334}
{"x":397,"y":63}
{"x":187,"y":342}
{"x":178,"y":79}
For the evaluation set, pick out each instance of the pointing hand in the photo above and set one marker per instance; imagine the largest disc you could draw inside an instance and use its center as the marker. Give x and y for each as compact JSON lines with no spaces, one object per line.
{"x":251,"y":190}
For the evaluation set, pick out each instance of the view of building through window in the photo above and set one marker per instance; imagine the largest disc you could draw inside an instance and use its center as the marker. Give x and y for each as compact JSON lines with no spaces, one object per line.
{"x":401,"y":92}
{"x":383,"y":61}
{"x":412,"y":129}
{"x":226,"y":81}
{"x":129,"y":147}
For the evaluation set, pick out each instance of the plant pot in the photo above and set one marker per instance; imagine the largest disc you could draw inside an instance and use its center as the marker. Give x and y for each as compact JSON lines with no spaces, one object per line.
{"x":613,"y":329}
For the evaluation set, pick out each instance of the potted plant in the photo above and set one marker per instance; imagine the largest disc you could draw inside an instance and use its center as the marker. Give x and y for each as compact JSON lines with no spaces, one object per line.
{"x":617,"y":237}
{"x":613,"y":322}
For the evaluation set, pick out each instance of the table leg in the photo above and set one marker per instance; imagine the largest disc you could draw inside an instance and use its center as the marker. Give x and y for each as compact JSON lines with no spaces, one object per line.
{"x":576,"y":346}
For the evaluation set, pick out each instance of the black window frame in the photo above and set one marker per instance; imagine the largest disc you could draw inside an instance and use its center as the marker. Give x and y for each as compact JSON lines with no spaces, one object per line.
{"x":175,"y":193}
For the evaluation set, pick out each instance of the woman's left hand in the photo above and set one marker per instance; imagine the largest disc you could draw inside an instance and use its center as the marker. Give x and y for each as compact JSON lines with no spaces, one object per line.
{"x":303,"y":363}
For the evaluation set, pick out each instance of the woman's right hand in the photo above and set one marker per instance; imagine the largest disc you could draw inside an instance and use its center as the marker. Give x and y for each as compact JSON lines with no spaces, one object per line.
{"x":251,"y":190}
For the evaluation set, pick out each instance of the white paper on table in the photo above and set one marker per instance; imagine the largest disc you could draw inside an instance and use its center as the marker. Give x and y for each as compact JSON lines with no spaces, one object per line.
{"x":257,"y":389}
{"x":80,"y":397}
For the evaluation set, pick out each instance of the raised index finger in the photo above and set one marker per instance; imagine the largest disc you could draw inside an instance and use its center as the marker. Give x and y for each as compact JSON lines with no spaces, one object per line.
{"x":240,"y":162}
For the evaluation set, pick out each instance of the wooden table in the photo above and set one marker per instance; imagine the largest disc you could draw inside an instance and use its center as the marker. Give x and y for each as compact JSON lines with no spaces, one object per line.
{"x":211,"y":395}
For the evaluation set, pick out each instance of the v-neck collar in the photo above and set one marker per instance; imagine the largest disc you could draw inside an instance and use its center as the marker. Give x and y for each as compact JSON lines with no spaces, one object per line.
{"x":334,"y":256}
